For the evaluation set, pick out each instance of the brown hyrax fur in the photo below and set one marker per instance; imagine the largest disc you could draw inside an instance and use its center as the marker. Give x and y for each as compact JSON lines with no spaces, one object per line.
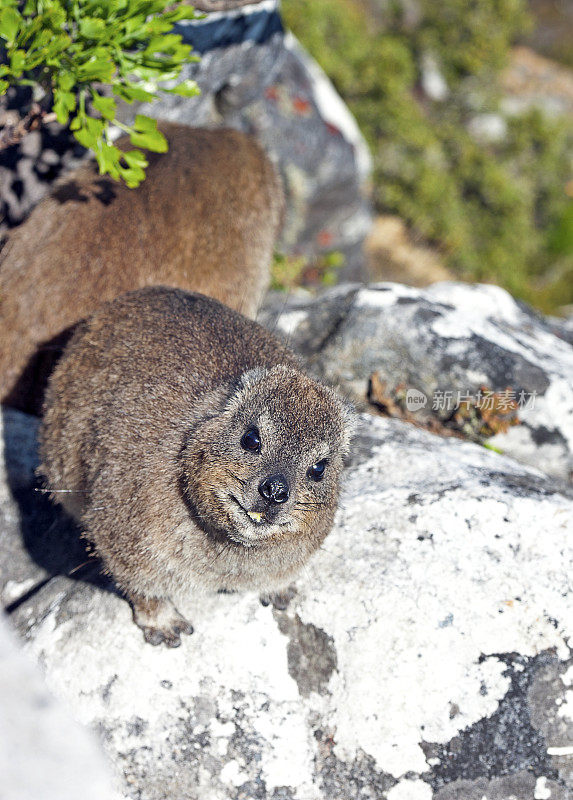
{"x":149,"y":440}
{"x":205,"y":219}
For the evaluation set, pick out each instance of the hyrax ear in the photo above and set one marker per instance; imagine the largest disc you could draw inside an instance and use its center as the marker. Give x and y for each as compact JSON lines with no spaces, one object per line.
{"x":346,"y":412}
{"x":239,"y":389}
{"x":349,"y":423}
{"x":207,"y":418}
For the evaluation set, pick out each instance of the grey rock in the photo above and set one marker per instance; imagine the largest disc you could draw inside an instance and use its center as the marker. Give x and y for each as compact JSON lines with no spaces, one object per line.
{"x":276,"y":91}
{"x":422,"y":656}
{"x":562,"y":327}
{"x":519,"y":786}
{"x":450,"y":337}
{"x":28,"y":170}
{"x":552,"y":688}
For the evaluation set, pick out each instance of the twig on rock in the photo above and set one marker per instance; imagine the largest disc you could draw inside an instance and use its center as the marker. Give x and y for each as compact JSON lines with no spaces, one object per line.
{"x":13,"y":132}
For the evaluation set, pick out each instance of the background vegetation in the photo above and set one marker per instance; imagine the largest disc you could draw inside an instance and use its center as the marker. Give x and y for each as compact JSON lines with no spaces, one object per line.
{"x":498,"y":209}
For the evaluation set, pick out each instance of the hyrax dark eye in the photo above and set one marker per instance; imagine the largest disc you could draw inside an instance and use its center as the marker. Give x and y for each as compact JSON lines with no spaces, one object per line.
{"x":251,"y":440}
{"x":316,"y":472}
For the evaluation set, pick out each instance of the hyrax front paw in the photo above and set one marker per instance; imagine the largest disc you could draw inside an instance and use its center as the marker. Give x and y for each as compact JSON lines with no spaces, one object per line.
{"x":159,"y":620}
{"x":279,"y":600}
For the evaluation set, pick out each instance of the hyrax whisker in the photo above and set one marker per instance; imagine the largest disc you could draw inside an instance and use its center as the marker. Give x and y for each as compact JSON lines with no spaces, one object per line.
{"x":59,"y":491}
{"x":236,"y":477}
{"x":90,"y":560}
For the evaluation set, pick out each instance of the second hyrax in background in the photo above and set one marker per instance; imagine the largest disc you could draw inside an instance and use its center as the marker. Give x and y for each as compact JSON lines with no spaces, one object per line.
{"x":205,"y":219}
{"x":193,"y":450}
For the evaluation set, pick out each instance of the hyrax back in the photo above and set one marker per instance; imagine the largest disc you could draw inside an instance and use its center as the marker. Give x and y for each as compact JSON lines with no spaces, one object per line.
{"x":193,"y":450}
{"x":205,"y":219}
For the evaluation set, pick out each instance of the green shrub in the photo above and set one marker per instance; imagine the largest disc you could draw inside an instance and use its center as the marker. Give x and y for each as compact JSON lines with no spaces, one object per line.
{"x":493,"y":209}
{"x":83,"y":55}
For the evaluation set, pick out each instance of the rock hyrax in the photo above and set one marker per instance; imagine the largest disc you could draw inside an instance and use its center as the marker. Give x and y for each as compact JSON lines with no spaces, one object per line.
{"x":192,"y":449}
{"x":205,"y":219}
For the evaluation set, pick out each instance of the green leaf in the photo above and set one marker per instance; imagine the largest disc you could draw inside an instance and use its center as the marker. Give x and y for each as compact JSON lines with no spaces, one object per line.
{"x":132,"y":177}
{"x":31,"y":31}
{"x":64,"y":103}
{"x":129,"y":93}
{"x":90,"y":131}
{"x":161,"y":71}
{"x":105,"y":105}
{"x":134,"y":24}
{"x":145,"y":124}
{"x":92,"y":28}
{"x":107,"y":157}
{"x":158,"y":25}
{"x":85,"y":138}
{"x":42,"y":39}
{"x":55,"y":16}
{"x":17,"y":62}
{"x":57,"y":45}
{"x":163,"y":44}
{"x":134,"y":173}
{"x":187,"y":88}
{"x":10,"y":23}
{"x":183,"y":12}
{"x":151,"y":139}
{"x":66,"y":81}
{"x":135,"y":158}
{"x":96,"y":69}
{"x":3,"y":86}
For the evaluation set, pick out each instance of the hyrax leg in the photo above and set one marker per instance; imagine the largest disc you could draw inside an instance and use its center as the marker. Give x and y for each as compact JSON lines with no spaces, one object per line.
{"x":279,"y":600}
{"x":159,"y":620}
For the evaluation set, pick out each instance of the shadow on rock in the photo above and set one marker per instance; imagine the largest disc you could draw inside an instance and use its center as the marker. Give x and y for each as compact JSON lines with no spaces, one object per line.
{"x":48,"y":536}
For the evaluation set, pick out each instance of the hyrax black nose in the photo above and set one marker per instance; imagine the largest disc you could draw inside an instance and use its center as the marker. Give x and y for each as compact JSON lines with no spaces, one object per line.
{"x":275,"y":489}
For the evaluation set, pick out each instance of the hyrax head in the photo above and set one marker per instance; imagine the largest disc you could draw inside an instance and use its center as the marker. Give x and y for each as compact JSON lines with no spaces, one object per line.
{"x":268,"y":464}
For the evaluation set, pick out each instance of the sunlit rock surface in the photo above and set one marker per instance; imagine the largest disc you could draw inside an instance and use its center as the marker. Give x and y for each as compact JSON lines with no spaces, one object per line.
{"x":427,"y":653}
{"x":447,"y":338}
{"x":44,"y":753}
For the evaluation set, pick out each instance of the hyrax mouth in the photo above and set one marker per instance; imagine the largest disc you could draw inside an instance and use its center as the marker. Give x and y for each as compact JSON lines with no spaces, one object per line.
{"x":263,"y":519}
{"x":255,"y":516}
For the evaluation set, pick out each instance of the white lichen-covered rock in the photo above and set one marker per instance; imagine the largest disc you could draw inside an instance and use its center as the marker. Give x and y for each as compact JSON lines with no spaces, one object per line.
{"x":44,"y":753}
{"x":450,"y":337}
{"x":427,"y":653}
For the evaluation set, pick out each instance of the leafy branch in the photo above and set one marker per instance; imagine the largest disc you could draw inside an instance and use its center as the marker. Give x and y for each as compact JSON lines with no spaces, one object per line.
{"x":82,"y":56}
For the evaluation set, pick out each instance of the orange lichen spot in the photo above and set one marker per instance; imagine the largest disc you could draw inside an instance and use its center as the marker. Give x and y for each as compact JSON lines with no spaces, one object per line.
{"x":301,"y":106}
{"x":324,"y":238}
